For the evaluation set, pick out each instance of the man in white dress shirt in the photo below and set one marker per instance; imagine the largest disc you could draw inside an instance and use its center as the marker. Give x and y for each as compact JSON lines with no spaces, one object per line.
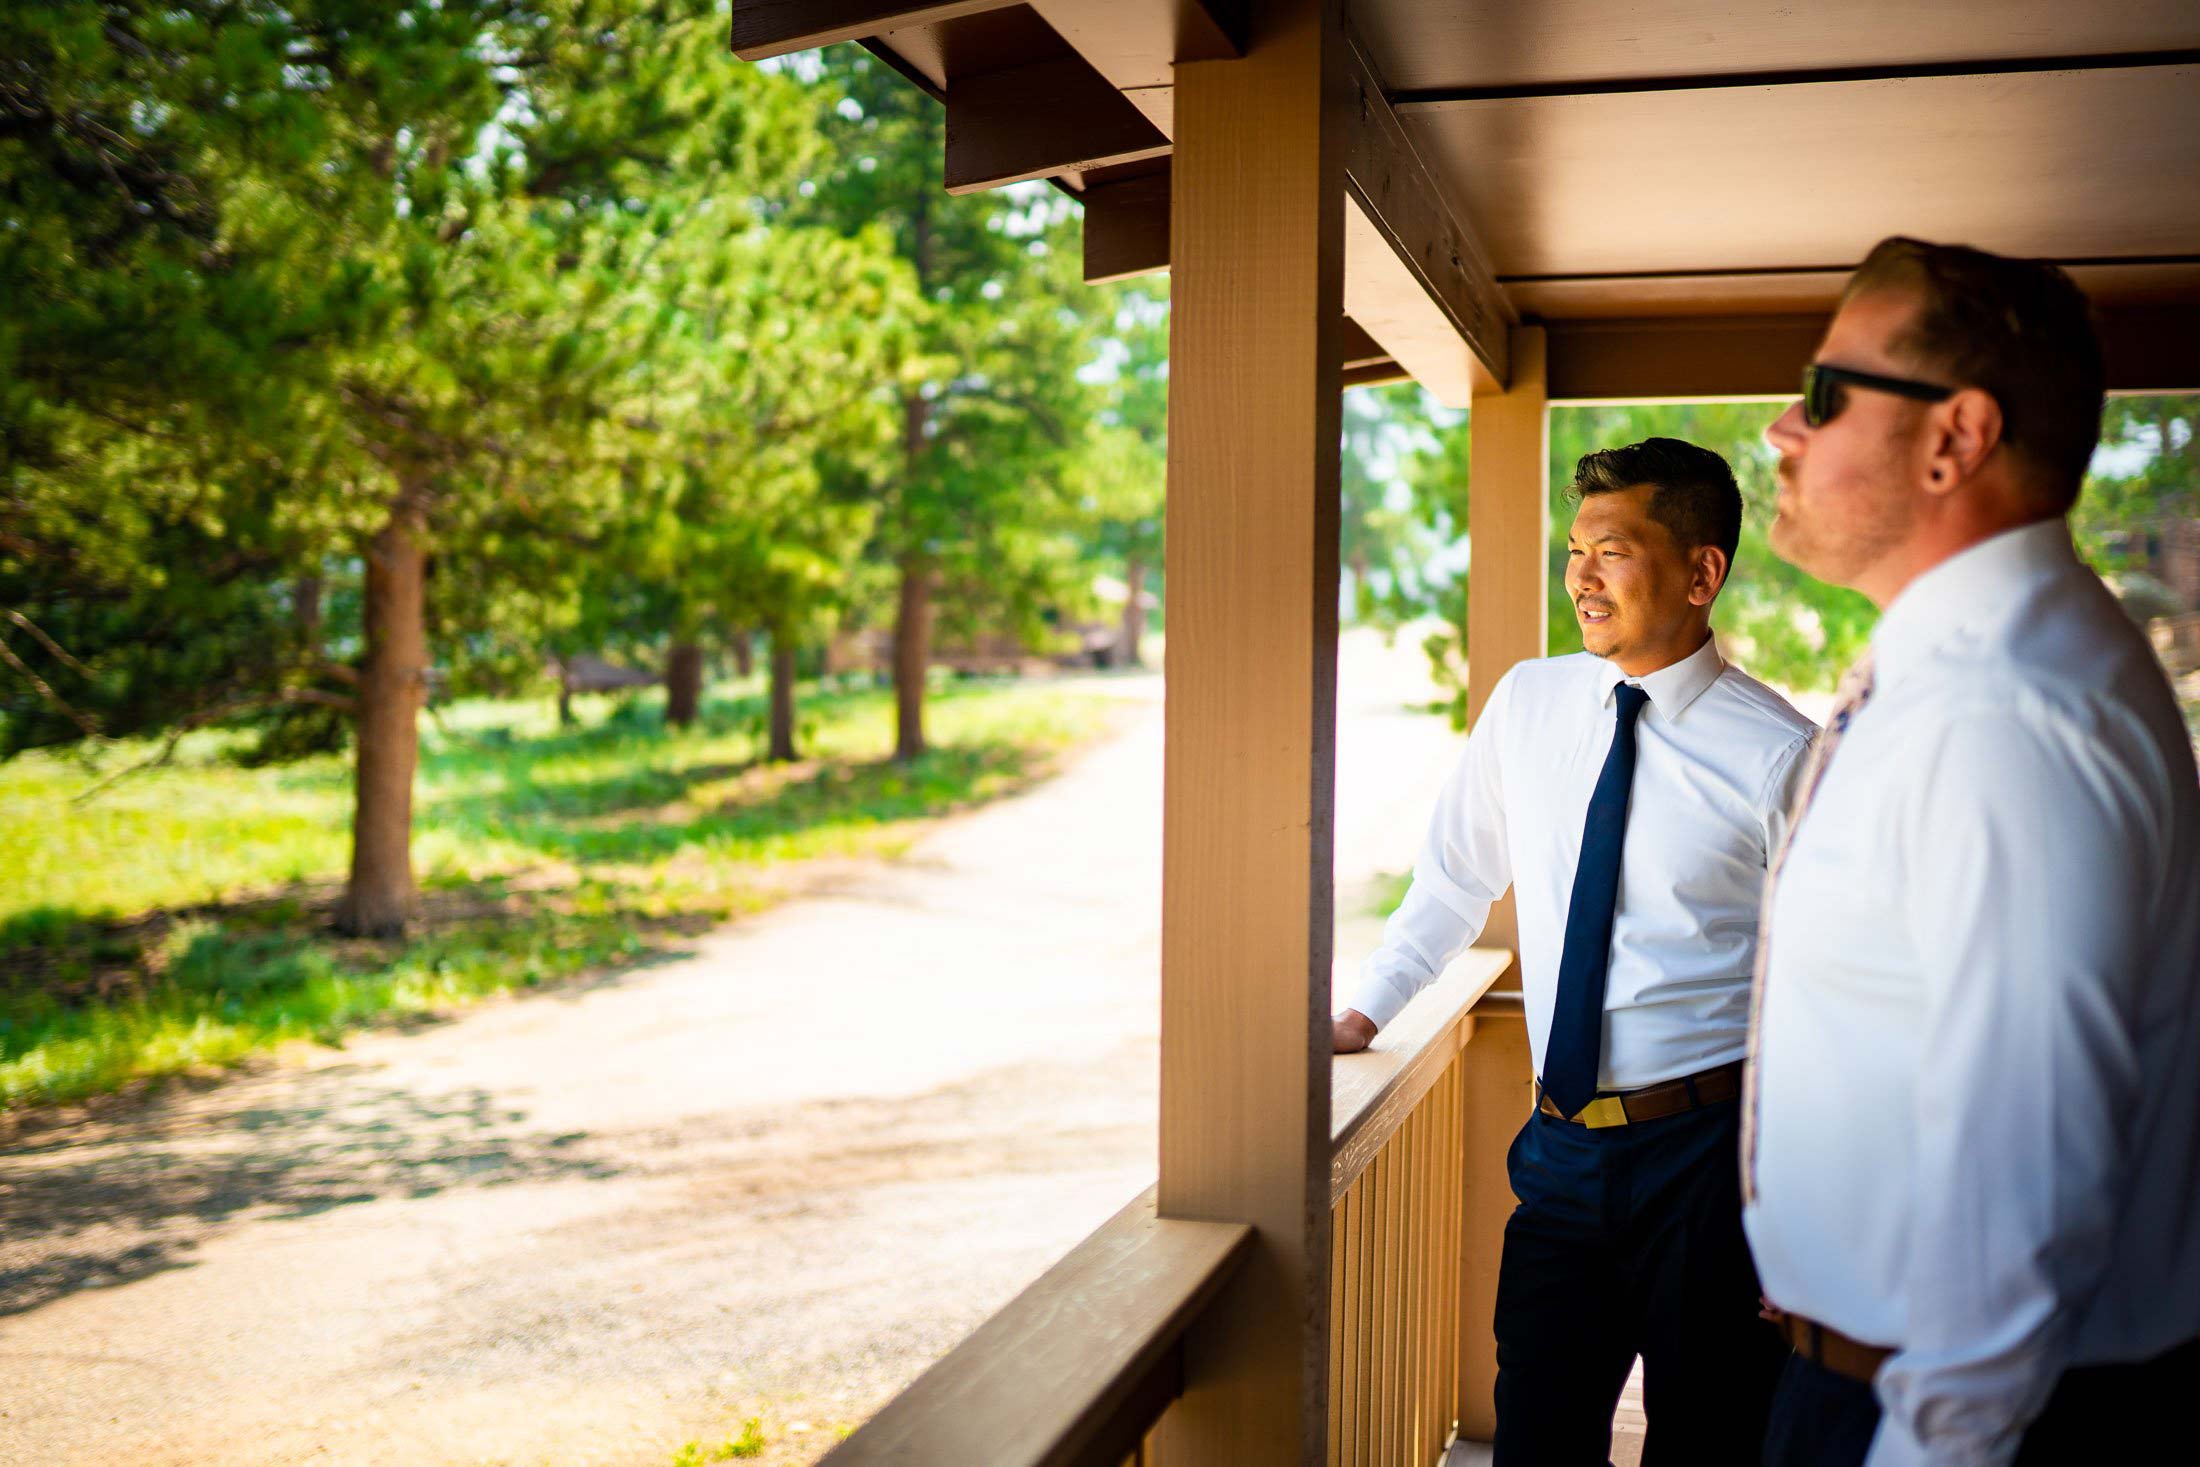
{"x":1631,"y":795}
{"x":1973,"y":1145}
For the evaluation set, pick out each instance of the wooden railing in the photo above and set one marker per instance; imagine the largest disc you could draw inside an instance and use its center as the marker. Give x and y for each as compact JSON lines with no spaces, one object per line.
{"x":1078,"y":1370}
{"x":1402,"y":1313}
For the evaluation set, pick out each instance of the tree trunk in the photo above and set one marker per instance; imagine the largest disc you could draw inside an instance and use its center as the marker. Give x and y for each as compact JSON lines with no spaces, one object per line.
{"x":744,"y":653}
{"x":1134,"y":612}
{"x":782,"y":721}
{"x":683,"y":683}
{"x":565,"y":695}
{"x":305,"y":612}
{"x":912,"y":653}
{"x":392,"y":684}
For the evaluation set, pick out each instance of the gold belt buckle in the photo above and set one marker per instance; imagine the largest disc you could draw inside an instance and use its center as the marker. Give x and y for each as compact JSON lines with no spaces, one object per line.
{"x":1605,"y":1110}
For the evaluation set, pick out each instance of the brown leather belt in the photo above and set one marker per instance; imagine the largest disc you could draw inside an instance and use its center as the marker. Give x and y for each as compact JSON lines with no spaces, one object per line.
{"x":1833,"y":1349}
{"x":1653,"y":1102}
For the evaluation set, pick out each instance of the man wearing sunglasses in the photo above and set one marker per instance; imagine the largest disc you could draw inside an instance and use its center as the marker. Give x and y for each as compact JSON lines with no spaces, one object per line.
{"x":1971,"y":1135}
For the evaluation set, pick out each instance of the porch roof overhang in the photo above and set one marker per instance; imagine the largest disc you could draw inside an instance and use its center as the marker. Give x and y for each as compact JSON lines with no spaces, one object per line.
{"x":1675,"y":189}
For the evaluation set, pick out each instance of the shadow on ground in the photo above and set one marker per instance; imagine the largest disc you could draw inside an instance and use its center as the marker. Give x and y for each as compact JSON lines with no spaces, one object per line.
{"x":98,"y":1206}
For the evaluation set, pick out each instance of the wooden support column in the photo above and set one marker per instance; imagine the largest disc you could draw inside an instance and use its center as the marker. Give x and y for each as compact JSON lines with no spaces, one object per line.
{"x":1508,"y":525}
{"x":1257,"y":304}
{"x":1508,"y":522}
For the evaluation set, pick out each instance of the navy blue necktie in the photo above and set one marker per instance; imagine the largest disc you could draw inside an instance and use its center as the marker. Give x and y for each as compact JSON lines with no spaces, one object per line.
{"x":1577,"y":1019}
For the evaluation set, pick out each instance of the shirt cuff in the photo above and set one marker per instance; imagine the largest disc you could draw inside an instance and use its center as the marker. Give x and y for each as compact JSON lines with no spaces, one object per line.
{"x":1376,"y":998}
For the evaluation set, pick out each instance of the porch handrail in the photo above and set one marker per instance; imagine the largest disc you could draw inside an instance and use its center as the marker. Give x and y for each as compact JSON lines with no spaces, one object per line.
{"x":1373,"y":1092}
{"x":1076,"y":1369}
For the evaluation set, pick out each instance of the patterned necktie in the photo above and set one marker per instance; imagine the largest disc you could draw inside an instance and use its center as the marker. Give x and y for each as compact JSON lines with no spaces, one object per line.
{"x":1576,"y":1044}
{"x":1855,"y":691}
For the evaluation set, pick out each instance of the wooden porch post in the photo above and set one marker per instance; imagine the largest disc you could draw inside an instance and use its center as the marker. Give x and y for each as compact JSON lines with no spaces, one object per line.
{"x":1508,"y":509}
{"x":1256,"y":300}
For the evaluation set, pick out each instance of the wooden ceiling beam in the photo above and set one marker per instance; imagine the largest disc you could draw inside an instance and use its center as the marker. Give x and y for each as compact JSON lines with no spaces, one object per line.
{"x":2151,"y":348}
{"x":764,"y":28}
{"x":1650,"y":358}
{"x":1437,"y":99}
{"x":1127,"y":227}
{"x":1136,"y":44}
{"x":1035,"y":121}
{"x":1374,"y":374}
{"x":1355,"y":348}
{"x":1415,"y":277}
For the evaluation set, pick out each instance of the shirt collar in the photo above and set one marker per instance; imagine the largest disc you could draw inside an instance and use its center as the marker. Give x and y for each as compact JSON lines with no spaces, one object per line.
{"x":1672,"y":687}
{"x":1965,"y":591}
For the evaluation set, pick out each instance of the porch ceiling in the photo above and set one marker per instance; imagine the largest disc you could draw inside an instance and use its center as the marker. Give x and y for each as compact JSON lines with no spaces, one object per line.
{"x":1655,"y":159}
{"x":1427,"y":45}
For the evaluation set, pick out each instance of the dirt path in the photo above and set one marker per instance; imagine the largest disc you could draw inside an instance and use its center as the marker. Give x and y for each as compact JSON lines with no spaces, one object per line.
{"x":775,"y":1177}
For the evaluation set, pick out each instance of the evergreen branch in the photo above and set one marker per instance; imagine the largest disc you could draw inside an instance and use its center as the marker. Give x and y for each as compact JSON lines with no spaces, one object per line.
{"x":215,"y":714}
{"x":45,"y":691}
{"x":60,"y":654}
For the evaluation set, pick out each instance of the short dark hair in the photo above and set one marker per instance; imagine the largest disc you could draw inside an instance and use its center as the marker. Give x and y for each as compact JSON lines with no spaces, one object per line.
{"x":2019,"y":329}
{"x":1693,"y":490}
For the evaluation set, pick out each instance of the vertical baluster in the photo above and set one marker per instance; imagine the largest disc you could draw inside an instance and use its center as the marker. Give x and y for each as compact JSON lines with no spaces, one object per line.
{"x":1432,"y":1307}
{"x":1339,"y":1258}
{"x":1411,"y":1303}
{"x":1363,"y":1326}
{"x":1454,"y":1205}
{"x":1402,"y":1265}
{"x":1386,"y":1321}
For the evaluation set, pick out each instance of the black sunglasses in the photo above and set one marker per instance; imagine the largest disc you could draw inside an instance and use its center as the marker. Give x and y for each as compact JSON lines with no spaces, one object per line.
{"x":1823,"y":398}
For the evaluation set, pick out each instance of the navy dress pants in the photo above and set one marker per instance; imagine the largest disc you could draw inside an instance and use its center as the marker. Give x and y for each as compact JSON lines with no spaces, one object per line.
{"x":2104,"y":1414}
{"x":1628,"y":1241}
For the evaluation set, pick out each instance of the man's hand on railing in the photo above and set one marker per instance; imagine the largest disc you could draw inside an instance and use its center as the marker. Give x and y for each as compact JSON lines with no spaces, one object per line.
{"x":1350,"y":1031}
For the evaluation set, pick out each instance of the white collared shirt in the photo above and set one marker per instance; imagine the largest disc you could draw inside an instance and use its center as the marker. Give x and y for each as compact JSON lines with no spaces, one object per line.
{"x":1717,"y":753}
{"x":1979,"y":1061}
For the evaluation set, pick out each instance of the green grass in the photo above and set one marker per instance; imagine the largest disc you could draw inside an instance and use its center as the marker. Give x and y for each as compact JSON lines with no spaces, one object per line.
{"x":178,"y":919}
{"x":1387,"y":892}
{"x":750,"y":1443}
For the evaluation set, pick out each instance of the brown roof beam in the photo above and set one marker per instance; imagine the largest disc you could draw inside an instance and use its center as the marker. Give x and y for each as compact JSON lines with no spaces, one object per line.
{"x":1127,"y":227}
{"x":1415,"y":278}
{"x":764,"y":28}
{"x":1355,"y":348}
{"x":1437,"y":99}
{"x":2153,"y":348}
{"x":1374,"y":374}
{"x":1136,"y":44}
{"x":1446,"y":285}
{"x":1646,"y":359}
{"x":1035,"y":121}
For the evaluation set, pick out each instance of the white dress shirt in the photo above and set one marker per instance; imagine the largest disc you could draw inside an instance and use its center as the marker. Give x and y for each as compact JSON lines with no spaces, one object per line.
{"x":1716,"y":755}
{"x":1979,"y":1055}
